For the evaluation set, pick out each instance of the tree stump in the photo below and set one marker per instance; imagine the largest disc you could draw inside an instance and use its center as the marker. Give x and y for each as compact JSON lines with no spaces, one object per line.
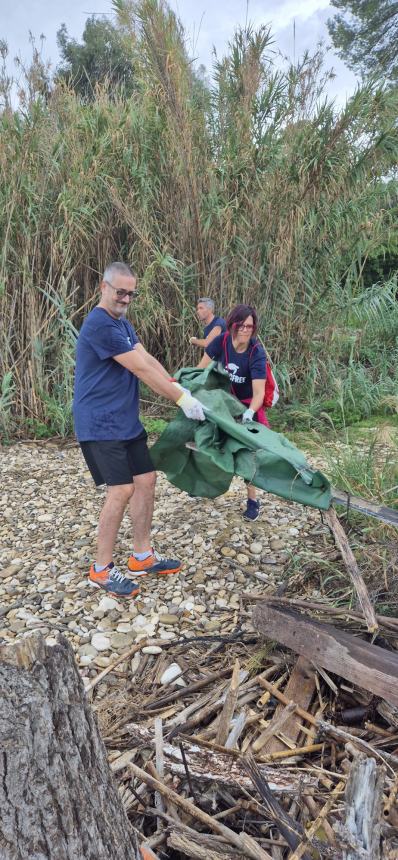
{"x":58,"y":800}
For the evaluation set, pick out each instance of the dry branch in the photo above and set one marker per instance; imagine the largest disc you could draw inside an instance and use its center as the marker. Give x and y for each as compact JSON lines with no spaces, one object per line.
{"x":240,"y":841}
{"x":353,"y":569}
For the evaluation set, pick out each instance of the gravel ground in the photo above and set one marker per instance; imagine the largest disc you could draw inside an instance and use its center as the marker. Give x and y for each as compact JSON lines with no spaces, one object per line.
{"x":49,"y":513}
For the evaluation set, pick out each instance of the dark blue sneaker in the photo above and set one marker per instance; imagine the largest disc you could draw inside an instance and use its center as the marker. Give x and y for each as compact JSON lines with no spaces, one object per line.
{"x":252,"y":511}
{"x":112,"y":581}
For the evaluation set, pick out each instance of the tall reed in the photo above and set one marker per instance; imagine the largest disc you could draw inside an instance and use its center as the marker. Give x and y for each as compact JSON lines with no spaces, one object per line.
{"x":254,"y":187}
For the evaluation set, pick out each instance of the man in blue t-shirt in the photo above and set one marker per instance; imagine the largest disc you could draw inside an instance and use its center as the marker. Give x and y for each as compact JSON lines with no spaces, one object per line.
{"x":212,"y":325}
{"x":109,"y":362}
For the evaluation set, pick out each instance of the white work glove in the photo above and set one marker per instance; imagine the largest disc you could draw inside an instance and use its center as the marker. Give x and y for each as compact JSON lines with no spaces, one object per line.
{"x":247,"y":416}
{"x":191,"y":407}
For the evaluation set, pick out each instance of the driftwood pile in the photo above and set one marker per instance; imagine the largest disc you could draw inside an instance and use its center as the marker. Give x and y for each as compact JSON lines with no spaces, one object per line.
{"x":257,"y":752}
{"x":276,"y":740}
{"x":280,"y":743}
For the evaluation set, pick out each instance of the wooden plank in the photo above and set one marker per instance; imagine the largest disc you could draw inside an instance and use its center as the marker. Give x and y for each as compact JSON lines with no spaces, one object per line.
{"x":369,"y":509}
{"x":364,"y":799}
{"x":227,"y":712}
{"x":275,"y":725}
{"x":209,"y":765}
{"x":360,"y":662}
{"x":299,"y":689}
{"x":353,"y":569}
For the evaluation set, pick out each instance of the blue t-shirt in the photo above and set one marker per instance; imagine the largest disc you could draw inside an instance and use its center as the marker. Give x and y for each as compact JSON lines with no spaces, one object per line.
{"x":217,"y":321}
{"x":106,"y":398}
{"x":242,"y":367}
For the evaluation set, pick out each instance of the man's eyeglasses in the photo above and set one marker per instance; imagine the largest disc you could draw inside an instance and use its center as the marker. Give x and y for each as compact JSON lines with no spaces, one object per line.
{"x":244,"y":327}
{"x":122,"y":294}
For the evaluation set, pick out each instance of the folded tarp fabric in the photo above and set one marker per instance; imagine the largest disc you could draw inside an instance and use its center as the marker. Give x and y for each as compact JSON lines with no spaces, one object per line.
{"x":224,"y":447}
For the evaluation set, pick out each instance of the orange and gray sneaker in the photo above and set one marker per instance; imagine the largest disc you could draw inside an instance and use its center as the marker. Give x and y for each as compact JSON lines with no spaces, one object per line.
{"x":153,"y":563}
{"x":112,"y":581}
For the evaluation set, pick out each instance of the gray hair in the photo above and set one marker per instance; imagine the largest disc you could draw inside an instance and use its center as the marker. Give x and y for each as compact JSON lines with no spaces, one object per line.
{"x":208,"y":302}
{"x":117,"y":269}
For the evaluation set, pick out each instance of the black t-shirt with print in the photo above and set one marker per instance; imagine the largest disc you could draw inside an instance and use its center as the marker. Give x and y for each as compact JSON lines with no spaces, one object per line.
{"x":242,"y":367}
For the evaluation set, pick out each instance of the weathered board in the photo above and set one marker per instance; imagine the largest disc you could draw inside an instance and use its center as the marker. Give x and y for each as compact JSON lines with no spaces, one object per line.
{"x":369,"y":509}
{"x":300,"y":689}
{"x":373,"y":668}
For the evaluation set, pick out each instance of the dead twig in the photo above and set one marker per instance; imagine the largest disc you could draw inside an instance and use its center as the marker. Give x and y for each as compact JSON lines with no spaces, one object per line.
{"x":240,"y":841}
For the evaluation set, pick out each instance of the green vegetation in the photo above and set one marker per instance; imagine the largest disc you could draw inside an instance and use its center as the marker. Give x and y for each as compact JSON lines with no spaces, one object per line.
{"x":363,"y":461}
{"x":154,"y":425}
{"x":252,"y":187}
{"x":101,"y":58}
{"x":365,"y":33}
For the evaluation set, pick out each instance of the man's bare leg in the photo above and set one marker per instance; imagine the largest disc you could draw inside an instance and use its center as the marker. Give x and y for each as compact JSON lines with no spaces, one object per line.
{"x":141,"y":510}
{"x":109,"y":521}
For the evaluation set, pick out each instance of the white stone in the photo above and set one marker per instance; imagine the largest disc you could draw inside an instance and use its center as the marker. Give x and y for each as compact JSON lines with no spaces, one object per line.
{"x":100,"y":642}
{"x":25,"y":615}
{"x":171,"y":673}
{"x":151,"y":649}
{"x":86,"y":659}
{"x":188,"y":605}
{"x":106,"y":604}
{"x":139,"y":622}
{"x":65,"y":578}
{"x":255,"y":548}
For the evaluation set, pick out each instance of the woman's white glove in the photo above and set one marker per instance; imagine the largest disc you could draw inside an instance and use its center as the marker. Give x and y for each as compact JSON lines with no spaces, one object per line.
{"x":191,"y":407}
{"x":247,"y":416}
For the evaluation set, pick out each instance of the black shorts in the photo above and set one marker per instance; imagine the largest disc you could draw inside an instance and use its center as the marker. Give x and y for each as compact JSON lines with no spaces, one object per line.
{"x":116,"y":462}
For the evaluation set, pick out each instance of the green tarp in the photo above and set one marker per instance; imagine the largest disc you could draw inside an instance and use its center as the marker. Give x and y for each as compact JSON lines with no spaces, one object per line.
{"x":225,"y":447}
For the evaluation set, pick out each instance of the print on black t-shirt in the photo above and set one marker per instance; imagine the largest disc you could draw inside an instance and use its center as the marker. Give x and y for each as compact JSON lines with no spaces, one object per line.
{"x":241,"y":367}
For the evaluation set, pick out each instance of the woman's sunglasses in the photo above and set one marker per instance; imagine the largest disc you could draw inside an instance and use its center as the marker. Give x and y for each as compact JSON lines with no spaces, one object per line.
{"x":243,"y":326}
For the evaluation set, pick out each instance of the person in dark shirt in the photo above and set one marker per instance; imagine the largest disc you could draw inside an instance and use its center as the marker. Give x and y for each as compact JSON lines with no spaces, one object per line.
{"x":212,"y":325}
{"x":109,"y":362}
{"x":244,"y":359}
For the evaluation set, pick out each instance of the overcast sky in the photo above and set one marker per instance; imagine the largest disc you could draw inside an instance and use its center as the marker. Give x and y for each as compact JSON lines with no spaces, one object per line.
{"x":296,"y":25}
